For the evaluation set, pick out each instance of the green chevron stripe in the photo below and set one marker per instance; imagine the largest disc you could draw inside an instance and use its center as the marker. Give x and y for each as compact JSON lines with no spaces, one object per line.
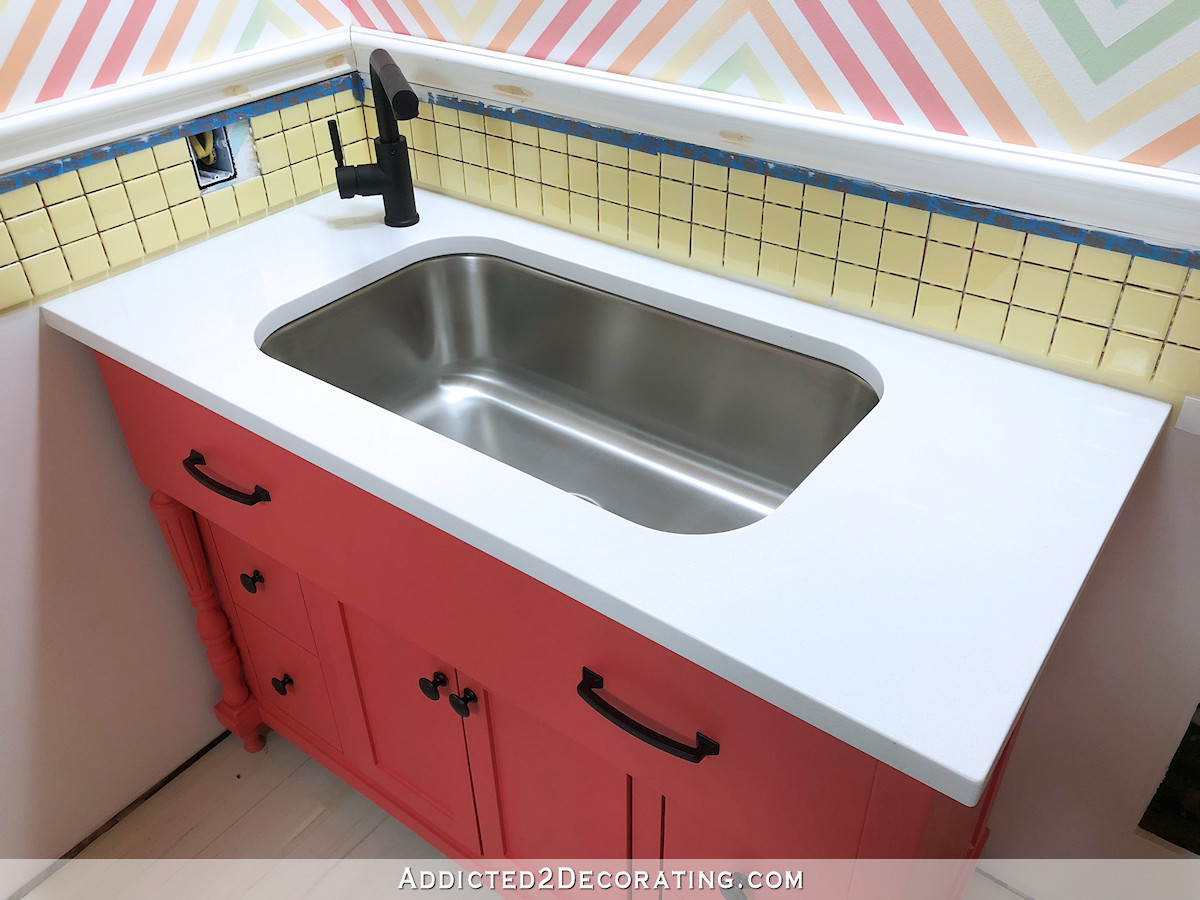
{"x":744,"y":62}
{"x":1101,"y":62}
{"x":266,"y":11}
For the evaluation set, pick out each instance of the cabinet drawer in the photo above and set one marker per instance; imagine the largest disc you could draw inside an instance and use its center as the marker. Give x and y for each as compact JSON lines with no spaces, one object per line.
{"x":346,"y":540}
{"x":788,"y":788}
{"x":264,"y":587}
{"x":299,"y":674}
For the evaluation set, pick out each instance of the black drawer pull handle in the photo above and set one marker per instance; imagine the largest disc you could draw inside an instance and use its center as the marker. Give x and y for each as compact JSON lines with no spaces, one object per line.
{"x":705,"y":746}
{"x":281,"y":685}
{"x":461,"y":705}
{"x":251,"y":582}
{"x":429,"y":686}
{"x":193,"y":463}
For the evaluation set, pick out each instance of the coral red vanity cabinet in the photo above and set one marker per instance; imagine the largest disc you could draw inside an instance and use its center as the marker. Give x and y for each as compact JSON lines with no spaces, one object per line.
{"x":493,"y":714}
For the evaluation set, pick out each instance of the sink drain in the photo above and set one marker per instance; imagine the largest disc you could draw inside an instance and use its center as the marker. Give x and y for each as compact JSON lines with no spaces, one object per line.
{"x":585,"y":498}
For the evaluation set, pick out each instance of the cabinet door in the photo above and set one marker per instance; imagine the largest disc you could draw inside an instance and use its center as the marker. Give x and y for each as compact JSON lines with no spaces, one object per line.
{"x":417,"y":750}
{"x":542,"y":794}
{"x":288,"y":680}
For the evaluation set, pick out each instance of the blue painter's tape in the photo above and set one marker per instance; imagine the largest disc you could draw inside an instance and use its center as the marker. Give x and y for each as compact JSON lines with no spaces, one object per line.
{"x":76,"y":161}
{"x":933,"y":203}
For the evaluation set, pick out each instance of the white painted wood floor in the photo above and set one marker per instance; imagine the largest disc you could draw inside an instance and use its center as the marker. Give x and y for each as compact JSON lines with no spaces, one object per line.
{"x":283,"y":827}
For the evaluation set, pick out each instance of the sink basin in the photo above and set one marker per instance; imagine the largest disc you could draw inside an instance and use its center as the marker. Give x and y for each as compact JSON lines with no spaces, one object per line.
{"x":667,"y":422}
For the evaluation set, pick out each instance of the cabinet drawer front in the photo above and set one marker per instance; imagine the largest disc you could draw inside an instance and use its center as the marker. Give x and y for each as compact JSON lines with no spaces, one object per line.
{"x":264,"y":587}
{"x":162,"y":430}
{"x":305,"y":699}
{"x":346,"y":540}
{"x":777,"y":784}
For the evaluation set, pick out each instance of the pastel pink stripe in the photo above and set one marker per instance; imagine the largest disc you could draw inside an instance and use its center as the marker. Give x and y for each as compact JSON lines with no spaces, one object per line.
{"x":389,"y":16}
{"x":360,"y":14}
{"x":847,"y":61}
{"x":902,"y":60}
{"x":72,"y":51}
{"x":604,"y":29}
{"x":558,"y":26}
{"x":123,"y":44}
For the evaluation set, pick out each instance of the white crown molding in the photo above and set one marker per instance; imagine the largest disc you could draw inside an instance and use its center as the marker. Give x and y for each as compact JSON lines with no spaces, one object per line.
{"x":1157,"y":205}
{"x":61,"y":127}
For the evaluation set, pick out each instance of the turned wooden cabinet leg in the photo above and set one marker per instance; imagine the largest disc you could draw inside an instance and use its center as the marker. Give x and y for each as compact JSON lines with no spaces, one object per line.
{"x":238,"y":710}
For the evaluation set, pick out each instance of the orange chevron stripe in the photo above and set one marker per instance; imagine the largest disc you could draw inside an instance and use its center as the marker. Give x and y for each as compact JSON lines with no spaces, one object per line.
{"x":27,"y":42}
{"x":1176,"y":142}
{"x":793,"y":57}
{"x":172,"y":34}
{"x":656,"y":29}
{"x":324,"y":17}
{"x":701,"y":40}
{"x":509,"y":30}
{"x":423,"y":21}
{"x":971,"y":73}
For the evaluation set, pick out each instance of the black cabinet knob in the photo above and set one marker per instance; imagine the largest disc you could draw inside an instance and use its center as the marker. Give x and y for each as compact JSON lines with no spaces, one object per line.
{"x":461,"y":704}
{"x":251,"y":582}
{"x":429,"y":686}
{"x":281,"y":685}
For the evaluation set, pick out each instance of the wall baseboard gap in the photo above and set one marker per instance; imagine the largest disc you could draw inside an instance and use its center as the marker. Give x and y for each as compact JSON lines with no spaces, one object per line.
{"x":32,"y":885}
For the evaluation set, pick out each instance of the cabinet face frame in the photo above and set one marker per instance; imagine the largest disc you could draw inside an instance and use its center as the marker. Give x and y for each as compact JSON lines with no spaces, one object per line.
{"x":353,"y":548}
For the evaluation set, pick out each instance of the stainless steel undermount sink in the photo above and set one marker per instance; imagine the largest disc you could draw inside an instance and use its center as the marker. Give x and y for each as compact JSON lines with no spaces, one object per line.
{"x":667,"y":422}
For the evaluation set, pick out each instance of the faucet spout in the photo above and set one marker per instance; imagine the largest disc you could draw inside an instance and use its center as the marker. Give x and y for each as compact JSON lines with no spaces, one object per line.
{"x":388,"y":83}
{"x":390,"y":176}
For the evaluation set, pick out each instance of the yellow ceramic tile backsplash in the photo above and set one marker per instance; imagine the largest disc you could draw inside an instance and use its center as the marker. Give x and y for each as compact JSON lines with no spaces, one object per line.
{"x":100,"y":175}
{"x":85,"y":258}
{"x":8,"y":253}
{"x":60,"y":188}
{"x":172,"y":153}
{"x":22,"y":200}
{"x":72,"y":220}
{"x":146,"y":195}
{"x":1186,"y":327}
{"x":135,"y":165}
{"x":251,"y":197}
{"x":122,"y":244}
{"x":179,"y":183}
{"x":1078,"y":343}
{"x":937,"y":307}
{"x":190,"y":220}
{"x":78,"y":226}
{"x":47,"y":272}
{"x":32,"y":233}
{"x":1128,"y":321}
{"x":157,"y":231}
{"x":14,"y":285}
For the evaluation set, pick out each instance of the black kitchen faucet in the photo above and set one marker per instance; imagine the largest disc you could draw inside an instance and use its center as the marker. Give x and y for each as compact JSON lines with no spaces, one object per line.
{"x":390,"y":176}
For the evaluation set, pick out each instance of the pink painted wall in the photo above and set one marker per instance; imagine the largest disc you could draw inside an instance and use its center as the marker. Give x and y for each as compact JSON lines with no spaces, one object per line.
{"x":106,"y":689}
{"x":1116,"y":694}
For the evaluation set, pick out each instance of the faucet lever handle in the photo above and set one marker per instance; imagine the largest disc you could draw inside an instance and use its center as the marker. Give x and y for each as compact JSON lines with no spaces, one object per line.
{"x":336,"y":139}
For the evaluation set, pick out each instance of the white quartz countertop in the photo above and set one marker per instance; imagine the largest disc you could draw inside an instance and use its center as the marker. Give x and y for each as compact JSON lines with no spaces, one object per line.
{"x":903,"y":598}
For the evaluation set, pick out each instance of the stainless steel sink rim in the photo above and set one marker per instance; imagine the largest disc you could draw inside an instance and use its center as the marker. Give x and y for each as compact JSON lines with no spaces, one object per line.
{"x":665,"y":421}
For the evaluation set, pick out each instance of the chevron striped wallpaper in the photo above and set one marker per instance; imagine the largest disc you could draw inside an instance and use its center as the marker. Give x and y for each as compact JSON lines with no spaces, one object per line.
{"x":1117,"y":79}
